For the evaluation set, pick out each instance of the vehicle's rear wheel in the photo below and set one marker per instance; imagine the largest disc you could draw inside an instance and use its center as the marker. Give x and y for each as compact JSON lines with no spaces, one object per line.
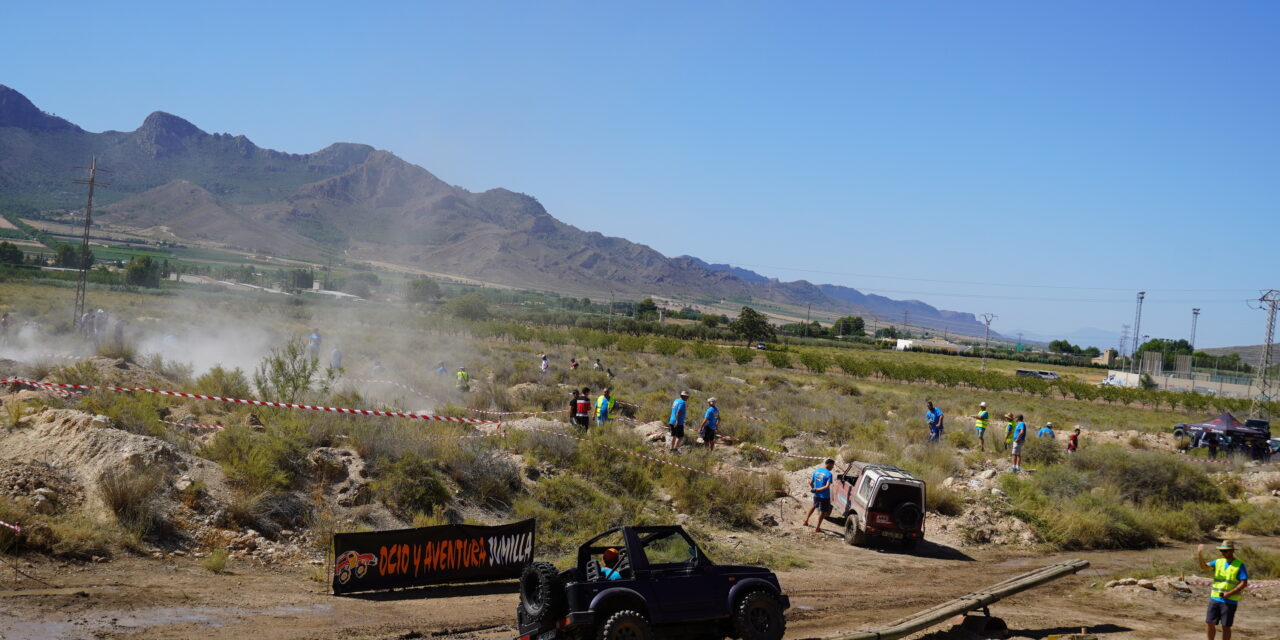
{"x":541,"y":593}
{"x":853,"y":531}
{"x":1179,"y":434}
{"x":759,"y":617}
{"x":625,"y":625}
{"x":909,"y":543}
{"x":907,"y":515}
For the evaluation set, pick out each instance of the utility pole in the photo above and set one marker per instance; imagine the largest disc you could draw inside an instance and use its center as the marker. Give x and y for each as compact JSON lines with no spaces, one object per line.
{"x":986,"y":338}
{"x":1195,"y":316}
{"x":806,"y":319}
{"x":906,"y":316}
{"x":85,"y":255}
{"x":1269,"y":300}
{"x":1124,"y":340}
{"x":1137,"y":331}
{"x":609,"y":324}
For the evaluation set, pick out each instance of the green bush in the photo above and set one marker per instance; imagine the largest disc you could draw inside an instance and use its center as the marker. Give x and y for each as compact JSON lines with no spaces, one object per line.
{"x":289,"y":372}
{"x":741,"y":355}
{"x":667,"y":346}
{"x":1262,"y":564}
{"x":255,"y":461}
{"x":704,"y":351}
{"x":223,"y":382}
{"x":216,"y":561}
{"x":1261,"y":521}
{"x":134,"y":412}
{"x":131,"y":496}
{"x":1147,"y":476}
{"x":779,"y":359}
{"x":410,"y":485}
{"x":813,"y":361}
{"x":632,"y":344}
{"x":1043,"y":451}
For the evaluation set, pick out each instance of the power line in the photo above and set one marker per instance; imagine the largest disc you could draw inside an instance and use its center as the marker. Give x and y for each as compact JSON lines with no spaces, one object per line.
{"x":1270,"y":300}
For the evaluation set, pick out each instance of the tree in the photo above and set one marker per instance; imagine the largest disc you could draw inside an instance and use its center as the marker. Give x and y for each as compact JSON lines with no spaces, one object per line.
{"x":471,"y":306}
{"x":646,"y":309}
{"x":849,"y":326}
{"x":10,"y":253}
{"x":752,"y":326}
{"x":710,"y":320}
{"x":142,"y":271}
{"x":300,"y":279}
{"x":888,"y":332}
{"x":65,"y":256}
{"x":422,"y":290}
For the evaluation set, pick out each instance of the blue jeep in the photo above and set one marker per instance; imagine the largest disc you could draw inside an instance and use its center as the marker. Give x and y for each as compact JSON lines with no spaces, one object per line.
{"x":632,"y":583}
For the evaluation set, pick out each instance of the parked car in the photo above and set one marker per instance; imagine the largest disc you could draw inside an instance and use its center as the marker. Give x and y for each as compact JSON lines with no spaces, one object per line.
{"x":879,"y":501}
{"x":761,"y":346}
{"x":1043,"y":375}
{"x":663,"y":583}
{"x":1251,"y":437}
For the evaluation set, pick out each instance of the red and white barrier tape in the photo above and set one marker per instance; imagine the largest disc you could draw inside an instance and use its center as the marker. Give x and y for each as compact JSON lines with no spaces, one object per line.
{"x":1205,"y":582}
{"x":17,"y":530}
{"x":789,"y":455}
{"x":515,"y":413}
{"x":651,"y":459}
{"x":194,"y":426}
{"x":259,"y":403}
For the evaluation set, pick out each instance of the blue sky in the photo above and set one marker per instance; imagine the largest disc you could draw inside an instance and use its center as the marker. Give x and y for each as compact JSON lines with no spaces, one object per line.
{"x":939,"y":151}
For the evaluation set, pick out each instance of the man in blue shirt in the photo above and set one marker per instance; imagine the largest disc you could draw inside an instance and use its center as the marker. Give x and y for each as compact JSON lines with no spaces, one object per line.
{"x":1047,"y":432}
{"x":1019,"y":437}
{"x":677,"y":420}
{"x":710,"y":423}
{"x":820,"y":486}
{"x":934,"y":417}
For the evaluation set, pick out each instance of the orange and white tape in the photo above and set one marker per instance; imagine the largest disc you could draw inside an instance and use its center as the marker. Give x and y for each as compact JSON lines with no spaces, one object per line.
{"x":1205,"y":582}
{"x":17,"y":530}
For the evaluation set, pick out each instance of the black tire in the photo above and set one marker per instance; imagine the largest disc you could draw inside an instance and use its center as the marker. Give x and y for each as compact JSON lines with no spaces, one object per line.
{"x":1179,"y":434}
{"x":908,"y":515}
{"x":909,"y":543}
{"x":625,"y":625}
{"x":759,"y":617}
{"x":541,"y":593}
{"x":853,"y":534}
{"x":521,"y":618}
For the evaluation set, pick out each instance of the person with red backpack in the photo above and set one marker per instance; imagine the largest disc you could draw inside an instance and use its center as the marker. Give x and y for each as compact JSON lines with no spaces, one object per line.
{"x":582,"y":408}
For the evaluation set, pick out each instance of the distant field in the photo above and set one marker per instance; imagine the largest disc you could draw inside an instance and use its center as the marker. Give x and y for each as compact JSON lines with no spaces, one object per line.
{"x":5,"y":224}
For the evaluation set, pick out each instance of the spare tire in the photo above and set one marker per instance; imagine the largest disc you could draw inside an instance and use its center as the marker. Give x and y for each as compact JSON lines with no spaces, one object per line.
{"x":907,"y":515}
{"x":1179,"y":434}
{"x":541,"y":593}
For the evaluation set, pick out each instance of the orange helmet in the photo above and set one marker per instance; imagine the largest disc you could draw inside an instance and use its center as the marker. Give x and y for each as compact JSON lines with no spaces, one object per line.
{"x":610,"y":554}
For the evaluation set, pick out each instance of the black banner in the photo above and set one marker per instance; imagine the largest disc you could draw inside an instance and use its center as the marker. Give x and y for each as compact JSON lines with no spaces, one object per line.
{"x":430,"y":555}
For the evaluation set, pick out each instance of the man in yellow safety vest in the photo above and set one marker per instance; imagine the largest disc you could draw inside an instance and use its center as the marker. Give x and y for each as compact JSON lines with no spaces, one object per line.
{"x":464,"y":379}
{"x":1229,"y":581}
{"x":981,"y":425}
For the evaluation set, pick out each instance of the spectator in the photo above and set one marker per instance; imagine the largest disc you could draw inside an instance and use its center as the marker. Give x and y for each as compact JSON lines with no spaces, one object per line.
{"x":1008,"y":431}
{"x":981,"y":425}
{"x":441,"y":370}
{"x":1211,"y":440}
{"x":934,"y":418}
{"x":464,"y":380}
{"x":544,"y":365}
{"x":1047,"y":432}
{"x":582,"y":415}
{"x":313,"y":344}
{"x":1230,"y":579}
{"x":573,"y":364}
{"x":710,"y":424}
{"x":597,"y":366}
{"x":820,"y":486}
{"x":1073,"y":441}
{"x":1019,"y":437}
{"x":573,"y":406}
{"x":378,"y":369}
{"x":610,"y":569}
{"x":604,"y":406}
{"x":335,"y":358}
{"x":676,"y":422}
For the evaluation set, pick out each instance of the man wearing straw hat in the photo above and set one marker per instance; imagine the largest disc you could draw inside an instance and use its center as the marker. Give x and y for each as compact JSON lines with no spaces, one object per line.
{"x":1229,"y":581}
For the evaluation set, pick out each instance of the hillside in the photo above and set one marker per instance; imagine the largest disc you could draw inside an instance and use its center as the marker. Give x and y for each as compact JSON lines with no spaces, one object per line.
{"x":1251,"y":354}
{"x":369,"y":205}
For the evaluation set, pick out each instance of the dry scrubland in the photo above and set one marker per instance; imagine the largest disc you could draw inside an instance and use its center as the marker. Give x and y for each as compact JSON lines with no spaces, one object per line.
{"x":127,"y":483}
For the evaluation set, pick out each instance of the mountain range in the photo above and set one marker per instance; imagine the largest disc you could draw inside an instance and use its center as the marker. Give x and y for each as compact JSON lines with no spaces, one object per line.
{"x":369,"y":205}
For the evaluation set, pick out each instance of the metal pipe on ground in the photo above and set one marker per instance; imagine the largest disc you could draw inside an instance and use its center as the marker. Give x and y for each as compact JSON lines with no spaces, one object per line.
{"x":977,"y":600}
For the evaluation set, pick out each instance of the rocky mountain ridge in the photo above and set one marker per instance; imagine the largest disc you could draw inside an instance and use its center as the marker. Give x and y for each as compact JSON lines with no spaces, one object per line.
{"x":369,"y":204}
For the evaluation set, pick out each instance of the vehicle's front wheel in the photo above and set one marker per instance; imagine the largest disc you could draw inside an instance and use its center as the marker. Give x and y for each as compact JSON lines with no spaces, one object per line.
{"x":625,"y":625}
{"x":853,"y":532}
{"x":759,"y":617}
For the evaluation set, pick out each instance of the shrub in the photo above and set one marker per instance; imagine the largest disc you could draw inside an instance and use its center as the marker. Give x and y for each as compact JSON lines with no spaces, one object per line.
{"x":1262,"y":521}
{"x":133,"y":412}
{"x":813,"y":361}
{"x":1044,"y":451}
{"x":742,"y":355}
{"x":289,"y":372}
{"x":704,"y":351}
{"x":944,"y":500}
{"x":1262,"y":564}
{"x":632,"y":344}
{"x":222,"y":382}
{"x":488,"y":477}
{"x":1146,"y":476}
{"x":962,"y":439}
{"x":410,"y":485}
{"x":1232,"y":488}
{"x":779,"y":359}
{"x":131,"y":496}
{"x":216,"y":561}
{"x":1091,"y":521}
{"x":667,"y":346}
{"x":255,"y":461}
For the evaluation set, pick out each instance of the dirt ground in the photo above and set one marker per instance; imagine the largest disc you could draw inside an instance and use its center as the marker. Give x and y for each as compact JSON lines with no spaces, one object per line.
{"x":842,"y":589}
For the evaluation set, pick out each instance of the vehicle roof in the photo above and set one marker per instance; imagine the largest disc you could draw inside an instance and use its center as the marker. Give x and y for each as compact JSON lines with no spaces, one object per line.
{"x":886,"y":471}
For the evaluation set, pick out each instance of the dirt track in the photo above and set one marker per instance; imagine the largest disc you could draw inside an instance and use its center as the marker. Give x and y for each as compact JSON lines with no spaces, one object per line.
{"x":843,"y":589}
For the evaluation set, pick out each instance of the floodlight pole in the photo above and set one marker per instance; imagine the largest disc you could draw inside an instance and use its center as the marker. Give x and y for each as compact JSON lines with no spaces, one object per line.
{"x":84,"y":257}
